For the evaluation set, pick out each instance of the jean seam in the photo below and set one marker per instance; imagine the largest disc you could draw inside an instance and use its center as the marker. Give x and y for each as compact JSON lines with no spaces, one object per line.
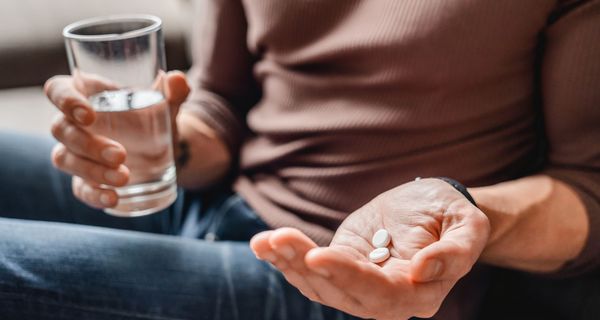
{"x":106,"y":311}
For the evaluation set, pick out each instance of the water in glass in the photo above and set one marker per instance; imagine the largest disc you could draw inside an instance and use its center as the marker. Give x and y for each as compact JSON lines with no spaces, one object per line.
{"x":140,"y":121}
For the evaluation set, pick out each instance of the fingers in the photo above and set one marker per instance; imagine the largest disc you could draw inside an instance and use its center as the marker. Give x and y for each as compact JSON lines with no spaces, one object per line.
{"x":261,"y":247}
{"x":284,"y":258}
{"x":176,"y":88}
{"x":329,"y":276}
{"x":93,"y":195}
{"x":72,"y":103}
{"x":86,"y":145}
{"x":352,"y":286}
{"x":360,"y":279}
{"x":75,"y":165}
{"x":176,"y":91}
{"x":376,"y":292}
{"x":455,"y":253}
{"x":294,"y":246}
{"x":263,"y":250}
{"x":90,"y":84}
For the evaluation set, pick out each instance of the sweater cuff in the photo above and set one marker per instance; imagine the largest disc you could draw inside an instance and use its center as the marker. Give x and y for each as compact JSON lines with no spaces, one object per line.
{"x":217,"y":114}
{"x":585,"y":184}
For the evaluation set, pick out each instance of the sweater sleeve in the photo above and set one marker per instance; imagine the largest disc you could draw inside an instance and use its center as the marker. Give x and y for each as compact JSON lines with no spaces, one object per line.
{"x":570,"y":84}
{"x":223,"y":87}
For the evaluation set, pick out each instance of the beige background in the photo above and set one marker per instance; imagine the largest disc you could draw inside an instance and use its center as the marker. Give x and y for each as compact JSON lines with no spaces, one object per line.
{"x":32,"y":49}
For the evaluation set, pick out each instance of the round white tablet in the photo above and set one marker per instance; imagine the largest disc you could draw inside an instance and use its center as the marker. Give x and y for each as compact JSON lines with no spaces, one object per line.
{"x":379,"y":255}
{"x":381,"y":238}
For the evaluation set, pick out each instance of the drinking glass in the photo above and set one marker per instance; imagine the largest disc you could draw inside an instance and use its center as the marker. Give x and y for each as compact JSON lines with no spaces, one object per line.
{"x":118,"y":63}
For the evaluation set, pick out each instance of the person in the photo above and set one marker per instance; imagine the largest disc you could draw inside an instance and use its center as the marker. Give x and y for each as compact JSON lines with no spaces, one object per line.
{"x":309,"y":119}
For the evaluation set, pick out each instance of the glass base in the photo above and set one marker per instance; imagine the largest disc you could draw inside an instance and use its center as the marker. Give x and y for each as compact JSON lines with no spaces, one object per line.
{"x":140,"y":203}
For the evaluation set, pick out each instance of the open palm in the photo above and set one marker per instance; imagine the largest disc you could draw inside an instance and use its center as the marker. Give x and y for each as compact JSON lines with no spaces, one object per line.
{"x":437,"y":235}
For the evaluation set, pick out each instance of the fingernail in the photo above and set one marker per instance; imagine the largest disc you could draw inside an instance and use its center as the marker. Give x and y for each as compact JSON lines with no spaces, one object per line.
{"x":432,"y":270}
{"x":287,"y":252}
{"x":322,"y":272}
{"x":269,"y":257}
{"x":80,"y":114}
{"x":113,"y":176}
{"x":105,"y":199}
{"x":111,"y":154}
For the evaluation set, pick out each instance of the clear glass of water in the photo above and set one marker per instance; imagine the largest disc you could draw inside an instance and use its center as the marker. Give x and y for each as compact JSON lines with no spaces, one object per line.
{"x":118,"y":62}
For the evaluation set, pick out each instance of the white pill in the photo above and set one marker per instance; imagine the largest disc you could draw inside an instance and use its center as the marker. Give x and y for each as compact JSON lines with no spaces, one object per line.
{"x":381,"y":238}
{"x":379,"y":255}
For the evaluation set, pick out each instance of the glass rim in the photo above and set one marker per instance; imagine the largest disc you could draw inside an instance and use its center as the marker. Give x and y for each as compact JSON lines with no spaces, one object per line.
{"x":69,"y":31}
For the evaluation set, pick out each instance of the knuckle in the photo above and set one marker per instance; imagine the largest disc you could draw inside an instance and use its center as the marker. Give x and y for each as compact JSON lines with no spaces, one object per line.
{"x":90,"y":193}
{"x":74,"y":139}
{"x":85,"y":191}
{"x":81,"y":189}
{"x":69,"y":133}
{"x":76,"y":186}
{"x":89,"y":145}
{"x":77,"y":140}
{"x":59,"y":153}
{"x":96,"y":173}
{"x":50,"y":83}
{"x":57,"y":127}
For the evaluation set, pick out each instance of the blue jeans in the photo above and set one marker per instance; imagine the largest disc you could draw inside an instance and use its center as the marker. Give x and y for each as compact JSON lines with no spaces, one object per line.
{"x":60,"y":259}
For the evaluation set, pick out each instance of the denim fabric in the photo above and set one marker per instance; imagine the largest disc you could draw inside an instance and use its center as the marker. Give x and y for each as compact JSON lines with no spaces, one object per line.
{"x":62,"y":260}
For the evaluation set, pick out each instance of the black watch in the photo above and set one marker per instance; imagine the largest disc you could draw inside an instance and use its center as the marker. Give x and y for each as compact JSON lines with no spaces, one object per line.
{"x":460,"y":187}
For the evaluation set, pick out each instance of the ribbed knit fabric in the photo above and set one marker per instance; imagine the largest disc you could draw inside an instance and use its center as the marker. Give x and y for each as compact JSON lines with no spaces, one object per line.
{"x":345,"y":99}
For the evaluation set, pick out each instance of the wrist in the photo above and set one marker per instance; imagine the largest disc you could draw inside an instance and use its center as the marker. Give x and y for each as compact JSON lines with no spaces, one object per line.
{"x":487,"y":201}
{"x":202,"y":157}
{"x":460,"y":188}
{"x":188,"y":124}
{"x":537,"y":223}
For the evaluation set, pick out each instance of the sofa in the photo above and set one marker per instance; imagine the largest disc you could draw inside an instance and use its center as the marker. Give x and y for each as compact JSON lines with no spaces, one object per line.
{"x":32,"y":49}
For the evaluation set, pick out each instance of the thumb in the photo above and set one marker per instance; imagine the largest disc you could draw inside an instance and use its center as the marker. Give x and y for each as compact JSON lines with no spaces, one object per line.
{"x":453,"y":255}
{"x":176,"y":89}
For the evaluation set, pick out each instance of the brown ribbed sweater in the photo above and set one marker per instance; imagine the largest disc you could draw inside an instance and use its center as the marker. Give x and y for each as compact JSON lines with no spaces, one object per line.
{"x":345,"y":99}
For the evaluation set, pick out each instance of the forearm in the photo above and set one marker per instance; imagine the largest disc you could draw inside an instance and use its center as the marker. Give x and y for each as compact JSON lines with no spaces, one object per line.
{"x":204,"y":158}
{"x":538,"y":223}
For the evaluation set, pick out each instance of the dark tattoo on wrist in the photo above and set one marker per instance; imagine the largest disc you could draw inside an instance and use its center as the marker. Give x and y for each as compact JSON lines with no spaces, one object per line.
{"x":183,"y":154}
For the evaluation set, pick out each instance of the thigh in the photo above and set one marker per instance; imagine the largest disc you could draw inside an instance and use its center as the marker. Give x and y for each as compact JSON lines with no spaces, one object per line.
{"x":60,"y":271}
{"x":220,"y":216}
{"x":31,"y":188}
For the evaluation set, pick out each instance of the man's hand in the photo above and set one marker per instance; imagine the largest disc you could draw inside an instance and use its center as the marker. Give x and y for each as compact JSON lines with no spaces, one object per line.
{"x":93,"y":159}
{"x":437,"y":236}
